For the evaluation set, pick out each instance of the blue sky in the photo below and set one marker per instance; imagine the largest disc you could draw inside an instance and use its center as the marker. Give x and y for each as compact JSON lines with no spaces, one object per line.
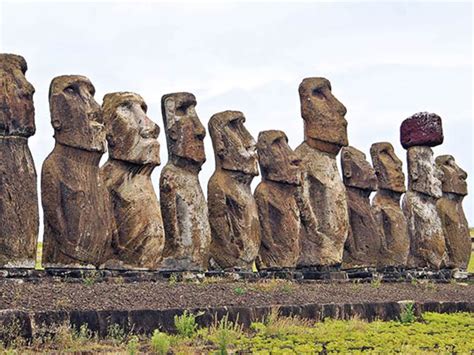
{"x":385,"y":61}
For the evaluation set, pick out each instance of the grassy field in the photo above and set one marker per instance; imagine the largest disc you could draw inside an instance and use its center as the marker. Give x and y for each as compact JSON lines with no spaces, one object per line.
{"x":433,"y":333}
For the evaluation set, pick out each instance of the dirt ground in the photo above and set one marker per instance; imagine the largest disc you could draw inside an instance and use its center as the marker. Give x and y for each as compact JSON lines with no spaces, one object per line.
{"x":164,"y":295}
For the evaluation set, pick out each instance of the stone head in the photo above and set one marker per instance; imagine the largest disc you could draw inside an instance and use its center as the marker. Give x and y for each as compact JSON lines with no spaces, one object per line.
{"x":388,"y":167}
{"x":131,"y":135}
{"x":17,"y":111}
{"x":323,"y":115}
{"x":75,"y":115}
{"x":184,"y":131}
{"x":356,"y":170}
{"x":423,"y":174}
{"x":454,"y":178}
{"x":234,"y":147}
{"x":278,"y":162}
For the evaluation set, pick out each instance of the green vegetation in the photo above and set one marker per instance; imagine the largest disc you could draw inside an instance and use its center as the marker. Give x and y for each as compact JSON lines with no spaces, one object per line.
{"x":431,"y":333}
{"x":39,"y":255}
{"x":470,"y":267}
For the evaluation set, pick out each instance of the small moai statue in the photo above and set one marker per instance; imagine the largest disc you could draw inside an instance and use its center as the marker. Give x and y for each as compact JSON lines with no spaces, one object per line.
{"x":364,"y":244}
{"x":78,"y":219}
{"x":325,"y":132}
{"x":418,"y":134}
{"x":278,"y":201}
{"x":134,"y":152}
{"x":386,"y":205}
{"x":183,"y":205}
{"x":19,"y":219}
{"x":453,"y":219}
{"x":233,"y":213}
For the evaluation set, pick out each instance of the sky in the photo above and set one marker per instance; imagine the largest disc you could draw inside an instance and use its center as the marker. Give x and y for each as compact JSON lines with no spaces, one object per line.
{"x":386,"y":61}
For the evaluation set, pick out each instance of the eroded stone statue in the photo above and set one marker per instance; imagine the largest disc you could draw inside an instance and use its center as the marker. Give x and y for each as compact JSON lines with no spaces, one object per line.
{"x":183,"y":204}
{"x":453,"y":219}
{"x":364,"y":244}
{"x":325,"y":134}
{"x":386,"y":205}
{"x":78,"y":219}
{"x":233,"y":214}
{"x":427,"y":242}
{"x":134,"y":152}
{"x":18,"y":192}
{"x":277,"y":201}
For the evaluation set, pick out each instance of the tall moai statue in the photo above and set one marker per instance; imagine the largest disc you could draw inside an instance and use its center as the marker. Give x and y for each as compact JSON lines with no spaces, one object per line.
{"x":18,"y":191}
{"x":233,"y":213}
{"x":278,"y":201}
{"x":453,"y":219}
{"x":386,"y":205}
{"x":325,"y":132}
{"x":134,"y":152}
{"x":78,"y":218}
{"x":183,"y":204}
{"x":418,"y":134}
{"x":364,"y":244}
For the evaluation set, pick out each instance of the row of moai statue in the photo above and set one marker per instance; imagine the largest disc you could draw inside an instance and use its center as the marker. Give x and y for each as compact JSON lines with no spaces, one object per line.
{"x":301,"y":215}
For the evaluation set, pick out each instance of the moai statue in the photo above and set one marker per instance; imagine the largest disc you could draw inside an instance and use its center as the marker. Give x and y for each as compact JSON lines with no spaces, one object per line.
{"x":233,"y":213}
{"x":427,"y":243}
{"x":18,"y":192}
{"x":386,"y":205}
{"x":183,"y":204}
{"x":325,"y":131}
{"x":277,"y":201}
{"x":78,"y":218}
{"x":364,"y":244}
{"x":134,"y":152}
{"x":454,"y":222}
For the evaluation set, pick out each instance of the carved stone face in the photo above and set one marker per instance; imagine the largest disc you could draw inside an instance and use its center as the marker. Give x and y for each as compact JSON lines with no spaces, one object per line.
{"x":17,"y":112}
{"x":234,"y":147}
{"x":277,"y":160}
{"x":454,"y":178}
{"x":423,"y":174}
{"x":388,"y":167}
{"x":131,"y":135}
{"x":356,"y":170}
{"x":323,"y":115}
{"x":184,"y":131}
{"x":75,"y":115}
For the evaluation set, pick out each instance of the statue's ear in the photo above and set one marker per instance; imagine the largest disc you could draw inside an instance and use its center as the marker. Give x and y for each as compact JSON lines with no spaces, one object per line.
{"x":220,"y":147}
{"x":414,"y":172}
{"x":110,"y":140}
{"x":170,"y":118}
{"x":346,"y":165}
{"x":54,"y":108}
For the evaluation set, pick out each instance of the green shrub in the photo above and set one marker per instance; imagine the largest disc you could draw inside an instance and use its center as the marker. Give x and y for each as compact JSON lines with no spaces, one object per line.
{"x":132,"y":345}
{"x":116,"y":333}
{"x":225,"y":333}
{"x":185,"y":324}
{"x":160,"y":342}
{"x":407,"y":315}
{"x":240,"y":291}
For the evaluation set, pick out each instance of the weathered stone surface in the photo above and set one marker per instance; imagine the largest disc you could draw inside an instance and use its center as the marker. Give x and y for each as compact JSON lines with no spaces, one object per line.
{"x":325,"y":133}
{"x":453,"y":219}
{"x":386,"y":205}
{"x":233,"y":214}
{"x":427,"y":242}
{"x":364,"y":244}
{"x":18,"y":191}
{"x":184,"y":207}
{"x":423,"y":129}
{"x":78,"y":218}
{"x":134,"y":152}
{"x":276,"y":196}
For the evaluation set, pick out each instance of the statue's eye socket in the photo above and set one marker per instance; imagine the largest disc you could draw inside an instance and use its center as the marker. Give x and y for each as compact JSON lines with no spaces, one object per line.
{"x":70,"y":89}
{"x":318,"y":93}
{"x":144,"y":107}
{"x":126,"y":105}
